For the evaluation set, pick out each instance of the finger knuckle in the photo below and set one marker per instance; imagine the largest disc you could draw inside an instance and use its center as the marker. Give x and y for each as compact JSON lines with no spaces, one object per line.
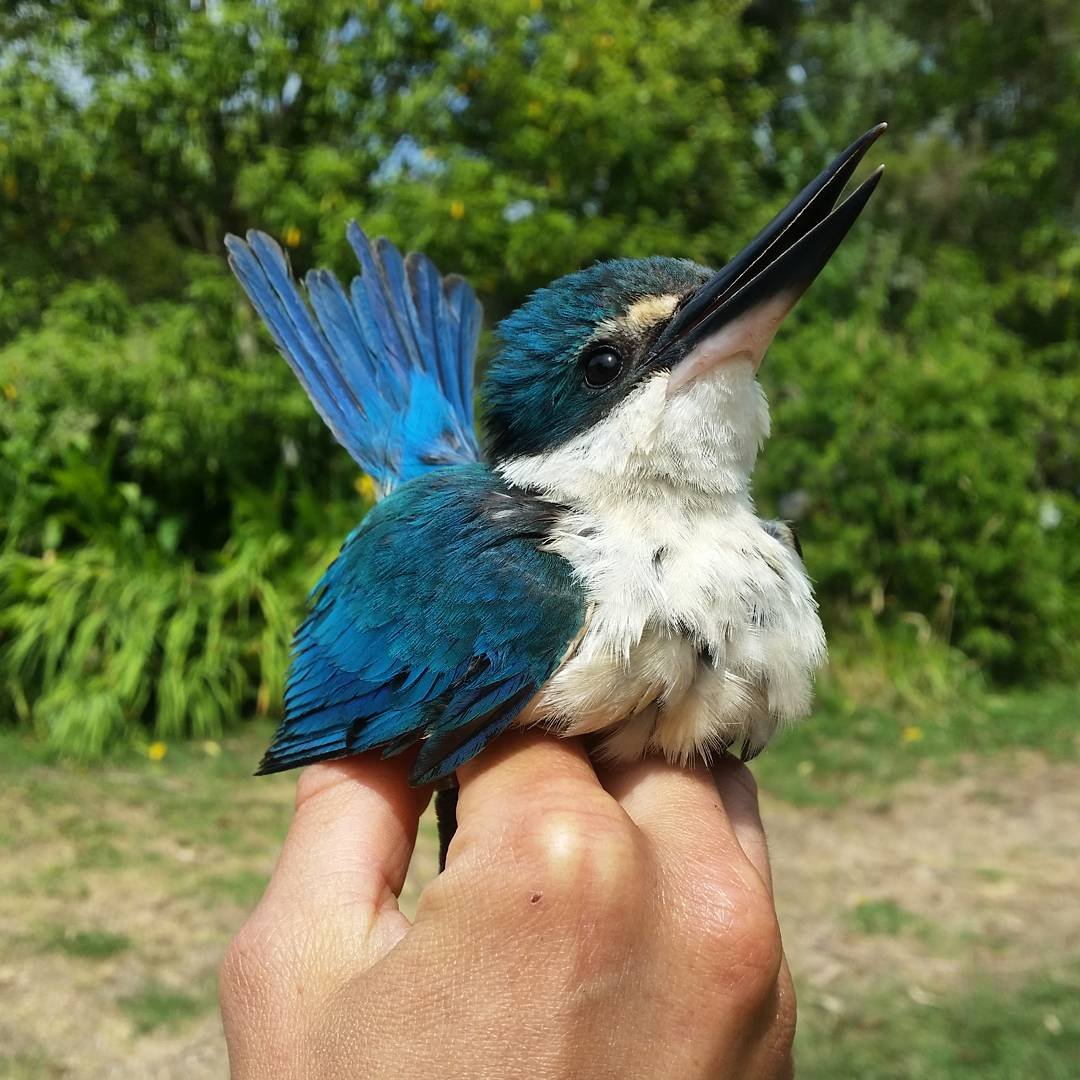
{"x":754,"y":951}
{"x":590,"y":858}
{"x":736,"y":937}
{"x":570,"y":860}
{"x":247,"y":969}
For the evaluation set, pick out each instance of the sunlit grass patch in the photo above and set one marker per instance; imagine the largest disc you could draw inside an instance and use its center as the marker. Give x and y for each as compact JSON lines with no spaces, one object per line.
{"x":81,"y":826}
{"x":990,"y":1033}
{"x":204,"y":818}
{"x":887,"y":917}
{"x":57,"y":881}
{"x":100,"y":855}
{"x":89,"y":944}
{"x":241,"y":887}
{"x":156,"y":1006}
{"x":35,"y":1065}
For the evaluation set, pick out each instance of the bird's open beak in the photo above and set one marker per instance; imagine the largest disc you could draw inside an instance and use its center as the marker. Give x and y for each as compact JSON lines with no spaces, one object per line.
{"x":736,"y":313}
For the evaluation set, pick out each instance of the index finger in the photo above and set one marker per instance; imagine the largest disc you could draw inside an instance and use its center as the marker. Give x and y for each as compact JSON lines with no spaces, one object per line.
{"x":527,"y":775}
{"x":345,"y":857}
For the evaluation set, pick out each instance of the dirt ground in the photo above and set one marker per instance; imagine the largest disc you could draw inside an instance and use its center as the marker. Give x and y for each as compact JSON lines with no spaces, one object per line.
{"x":118,"y":893}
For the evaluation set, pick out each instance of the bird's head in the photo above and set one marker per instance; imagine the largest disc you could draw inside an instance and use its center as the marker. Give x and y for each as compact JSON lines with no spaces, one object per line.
{"x":639,"y":372}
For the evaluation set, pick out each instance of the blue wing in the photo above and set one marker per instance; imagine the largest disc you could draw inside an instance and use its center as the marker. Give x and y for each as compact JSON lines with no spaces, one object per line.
{"x":437,"y":623}
{"x":388,"y":365}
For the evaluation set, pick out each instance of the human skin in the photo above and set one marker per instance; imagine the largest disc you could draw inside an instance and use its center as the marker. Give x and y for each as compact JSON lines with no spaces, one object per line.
{"x":587,"y":926}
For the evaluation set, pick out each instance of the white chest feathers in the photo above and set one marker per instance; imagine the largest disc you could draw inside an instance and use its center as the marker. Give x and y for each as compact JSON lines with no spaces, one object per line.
{"x":702,"y":630}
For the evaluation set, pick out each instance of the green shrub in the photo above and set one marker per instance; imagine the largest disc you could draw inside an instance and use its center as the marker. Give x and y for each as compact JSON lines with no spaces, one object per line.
{"x":96,"y":642}
{"x":910,"y":443}
{"x":166,"y":497}
{"x":150,"y":423}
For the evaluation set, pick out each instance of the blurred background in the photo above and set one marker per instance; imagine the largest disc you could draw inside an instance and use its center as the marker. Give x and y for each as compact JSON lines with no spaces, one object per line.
{"x":168,"y":495}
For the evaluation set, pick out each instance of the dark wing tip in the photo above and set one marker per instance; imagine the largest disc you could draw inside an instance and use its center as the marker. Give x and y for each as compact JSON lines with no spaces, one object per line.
{"x":273,"y":763}
{"x":747,"y":752}
{"x":269,"y":765}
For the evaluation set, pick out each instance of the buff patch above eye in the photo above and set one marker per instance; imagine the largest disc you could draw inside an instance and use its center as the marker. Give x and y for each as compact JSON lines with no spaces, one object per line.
{"x":642,"y":315}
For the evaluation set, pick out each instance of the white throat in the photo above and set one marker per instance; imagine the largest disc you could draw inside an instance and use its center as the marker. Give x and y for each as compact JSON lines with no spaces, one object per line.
{"x":699,"y":444}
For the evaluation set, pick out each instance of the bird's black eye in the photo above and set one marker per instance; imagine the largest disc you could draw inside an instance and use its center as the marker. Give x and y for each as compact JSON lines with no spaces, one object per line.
{"x":601,"y":366}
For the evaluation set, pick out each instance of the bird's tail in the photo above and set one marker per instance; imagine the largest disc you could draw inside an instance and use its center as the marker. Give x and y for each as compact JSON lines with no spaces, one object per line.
{"x":387,"y":365}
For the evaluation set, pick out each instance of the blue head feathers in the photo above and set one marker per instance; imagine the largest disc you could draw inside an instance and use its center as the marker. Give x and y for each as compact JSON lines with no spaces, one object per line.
{"x":537,"y":393}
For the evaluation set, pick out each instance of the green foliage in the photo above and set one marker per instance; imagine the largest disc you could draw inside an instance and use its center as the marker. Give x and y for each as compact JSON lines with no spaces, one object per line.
{"x":166,"y":493}
{"x":159,"y":525}
{"x":940,"y":380}
{"x":427,"y":119}
{"x":96,"y":642}
{"x":912,"y":457}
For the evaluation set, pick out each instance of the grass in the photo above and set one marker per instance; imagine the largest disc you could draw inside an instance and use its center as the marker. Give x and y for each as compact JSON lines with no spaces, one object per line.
{"x":93,"y":639}
{"x":886,"y":917}
{"x":241,"y":887}
{"x":989,"y":1033}
{"x":156,"y":1006}
{"x":120,"y":884}
{"x":35,"y":1065}
{"x":88,"y":944}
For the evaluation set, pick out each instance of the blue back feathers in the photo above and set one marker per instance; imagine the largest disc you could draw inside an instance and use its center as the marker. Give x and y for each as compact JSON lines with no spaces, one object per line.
{"x":438,"y":622}
{"x":388,"y":365}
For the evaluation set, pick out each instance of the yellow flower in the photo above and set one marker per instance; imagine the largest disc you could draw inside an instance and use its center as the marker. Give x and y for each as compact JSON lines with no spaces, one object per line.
{"x":10,"y":392}
{"x":292,"y":236}
{"x":457,"y":209}
{"x":365,"y":487}
{"x":911,"y":734}
{"x":156,"y":751}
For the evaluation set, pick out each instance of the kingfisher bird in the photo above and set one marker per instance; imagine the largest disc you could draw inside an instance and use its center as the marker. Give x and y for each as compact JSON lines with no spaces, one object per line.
{"x":595,"y":564}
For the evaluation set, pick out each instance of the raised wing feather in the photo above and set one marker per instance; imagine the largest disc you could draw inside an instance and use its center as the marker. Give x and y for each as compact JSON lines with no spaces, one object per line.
{"x":387,"y":365}
{"x":438,"y":622}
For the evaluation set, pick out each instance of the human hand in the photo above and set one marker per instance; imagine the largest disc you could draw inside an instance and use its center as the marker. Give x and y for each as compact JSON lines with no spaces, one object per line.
{"x":585,"y":927}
